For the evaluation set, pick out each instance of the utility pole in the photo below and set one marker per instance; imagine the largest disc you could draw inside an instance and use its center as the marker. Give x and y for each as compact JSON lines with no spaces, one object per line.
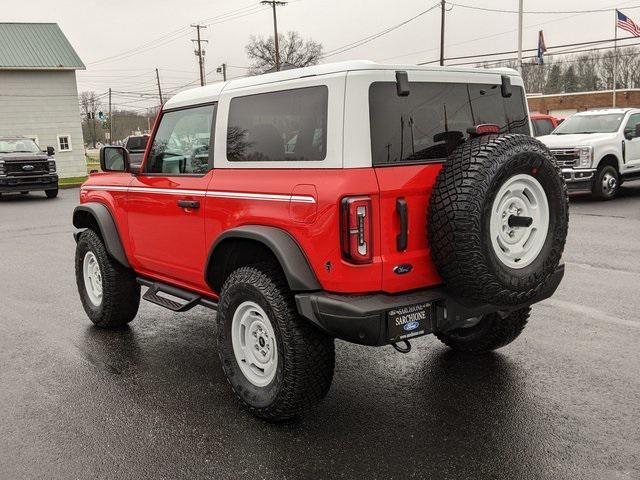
{"x":520,"y":36}
{"x":200,"y":52}
{"x":275,"y":4}
{"x":159,"y":87}
{"x":443,"y":4}
{"x":110,"y":120}
{"x":223,"y":70}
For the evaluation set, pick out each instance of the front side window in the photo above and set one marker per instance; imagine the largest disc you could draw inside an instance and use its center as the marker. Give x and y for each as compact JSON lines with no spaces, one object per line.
{"x":64,"y":143}
{"x":289,"y":125}
{"x":182,"y":142}
{"x":630,"y":127}
{"x":429,"y":123}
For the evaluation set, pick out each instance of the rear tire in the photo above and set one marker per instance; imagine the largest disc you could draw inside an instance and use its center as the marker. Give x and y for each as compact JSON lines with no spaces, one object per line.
{"x":607,"y":183}
{"x":277,"y":364}
{"x":108,"y":291}
{"x":51,"y":193}
{"x":490,"y":333}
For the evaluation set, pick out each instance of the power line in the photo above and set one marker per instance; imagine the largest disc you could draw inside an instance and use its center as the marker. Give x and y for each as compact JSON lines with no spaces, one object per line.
{"x":372,"y":37}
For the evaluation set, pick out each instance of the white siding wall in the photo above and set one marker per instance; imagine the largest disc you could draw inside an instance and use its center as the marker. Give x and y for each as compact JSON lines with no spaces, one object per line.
{"x":44,"y":104}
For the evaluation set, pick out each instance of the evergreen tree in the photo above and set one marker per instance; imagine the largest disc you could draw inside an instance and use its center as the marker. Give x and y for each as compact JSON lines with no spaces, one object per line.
{"x":570,"y":80}
{"x":554,"y":80}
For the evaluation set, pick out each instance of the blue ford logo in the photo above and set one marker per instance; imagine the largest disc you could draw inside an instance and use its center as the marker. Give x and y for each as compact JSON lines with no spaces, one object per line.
{"x":28,"y":167}
{"x":410,"y":326}
{"x":402,"y":268}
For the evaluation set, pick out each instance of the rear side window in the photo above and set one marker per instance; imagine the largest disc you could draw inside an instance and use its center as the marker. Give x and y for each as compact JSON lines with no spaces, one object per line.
{"x":429,"y":123}
{"x":181,"y":145}
{"x":137,"y":143}
{"x":542,"y":126}
{"x":289,"y":125}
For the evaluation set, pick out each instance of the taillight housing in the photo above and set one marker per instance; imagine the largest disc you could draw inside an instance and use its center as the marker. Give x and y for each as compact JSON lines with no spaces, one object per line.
{"x":356,"y":230}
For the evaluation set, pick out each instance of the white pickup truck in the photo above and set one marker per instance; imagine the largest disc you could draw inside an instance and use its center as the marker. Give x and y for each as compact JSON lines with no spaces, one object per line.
{"x":598,"y":150}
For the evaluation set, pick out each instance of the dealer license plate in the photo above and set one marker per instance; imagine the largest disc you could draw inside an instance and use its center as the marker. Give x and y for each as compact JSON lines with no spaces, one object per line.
{"x":408,"y":322}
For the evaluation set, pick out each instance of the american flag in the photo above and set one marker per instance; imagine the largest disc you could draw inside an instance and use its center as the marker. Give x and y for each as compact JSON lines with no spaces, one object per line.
{"x":627,"y":24}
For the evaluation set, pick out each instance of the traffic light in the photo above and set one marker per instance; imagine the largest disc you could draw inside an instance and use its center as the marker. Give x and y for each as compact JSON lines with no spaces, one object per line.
{"x":101,"y":115}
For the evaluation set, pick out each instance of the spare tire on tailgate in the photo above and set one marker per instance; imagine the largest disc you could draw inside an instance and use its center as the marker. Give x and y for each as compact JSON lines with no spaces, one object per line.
{"x":498,"y":219}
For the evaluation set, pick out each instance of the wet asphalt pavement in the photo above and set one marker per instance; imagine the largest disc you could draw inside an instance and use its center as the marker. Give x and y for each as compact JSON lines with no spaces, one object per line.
{"x":150,"y":401}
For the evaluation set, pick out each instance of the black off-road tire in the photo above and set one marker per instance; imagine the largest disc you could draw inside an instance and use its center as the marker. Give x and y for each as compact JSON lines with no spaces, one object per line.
{"x":53,"y":193}
{"x":600,"y":192}
{"x":460,"y":213}
{"x":120,"y":291}
{"x":306,"y":356}
{"x":490,"y":333}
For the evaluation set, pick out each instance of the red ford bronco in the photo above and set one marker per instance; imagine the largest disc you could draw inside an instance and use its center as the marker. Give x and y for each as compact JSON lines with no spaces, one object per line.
{"x":370,"y":203}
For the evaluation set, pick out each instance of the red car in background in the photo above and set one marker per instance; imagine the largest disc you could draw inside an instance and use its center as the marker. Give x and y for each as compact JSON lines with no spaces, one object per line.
{"x":544,"y":124}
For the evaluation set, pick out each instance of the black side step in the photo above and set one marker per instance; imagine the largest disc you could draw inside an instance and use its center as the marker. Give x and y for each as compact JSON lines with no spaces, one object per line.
{"x":191,"y":299}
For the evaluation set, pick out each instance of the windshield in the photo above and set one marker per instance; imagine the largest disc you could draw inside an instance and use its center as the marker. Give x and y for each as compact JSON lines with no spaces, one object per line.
{"x":605,"y":123}
{"x":19,"y":145}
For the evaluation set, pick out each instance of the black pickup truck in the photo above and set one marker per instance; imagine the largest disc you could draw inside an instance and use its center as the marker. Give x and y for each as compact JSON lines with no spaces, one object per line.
{"x":24,"y":167}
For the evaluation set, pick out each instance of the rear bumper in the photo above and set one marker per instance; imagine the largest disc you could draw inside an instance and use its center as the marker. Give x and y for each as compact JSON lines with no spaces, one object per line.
{"x":363,"y":318}
{"x":28,"y":184}
{"x":579,"y":180}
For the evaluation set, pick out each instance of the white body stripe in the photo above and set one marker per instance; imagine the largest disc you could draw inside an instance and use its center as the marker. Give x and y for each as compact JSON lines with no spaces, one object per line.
{"x":273,"y":197}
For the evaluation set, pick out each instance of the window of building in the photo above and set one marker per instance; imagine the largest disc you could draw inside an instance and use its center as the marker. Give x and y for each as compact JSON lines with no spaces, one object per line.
{"x":183,"y":142}
{"x":64,"y":143}
{"x":429,"y":123}
{"x":289,"y":125}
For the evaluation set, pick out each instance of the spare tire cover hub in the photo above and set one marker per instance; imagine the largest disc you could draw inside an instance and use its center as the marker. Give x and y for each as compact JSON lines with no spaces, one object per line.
{"x":518,"y":246}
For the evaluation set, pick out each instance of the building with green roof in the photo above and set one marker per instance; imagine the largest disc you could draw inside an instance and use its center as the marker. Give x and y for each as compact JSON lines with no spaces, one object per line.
{"x":39,"y":93}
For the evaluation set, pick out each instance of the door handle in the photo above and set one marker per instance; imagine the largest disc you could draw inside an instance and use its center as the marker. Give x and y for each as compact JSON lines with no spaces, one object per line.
{"x":403,"y":237}
{"x":193,"y":204}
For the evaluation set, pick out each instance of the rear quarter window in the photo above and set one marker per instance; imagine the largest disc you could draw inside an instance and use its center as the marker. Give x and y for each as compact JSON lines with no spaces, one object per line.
{"x":288,"y":125}
{"x":429,"y":123}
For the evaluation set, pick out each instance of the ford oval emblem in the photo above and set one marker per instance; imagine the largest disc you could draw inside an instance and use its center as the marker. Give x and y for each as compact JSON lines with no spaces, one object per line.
{"x":28,"y":167}
{"x":410,"y":326}
{"x":402,"y":268}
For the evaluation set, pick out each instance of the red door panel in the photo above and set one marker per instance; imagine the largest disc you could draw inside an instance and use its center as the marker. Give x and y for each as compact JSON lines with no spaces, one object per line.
{"x":414,"y":184}
{"x":167,"y":239}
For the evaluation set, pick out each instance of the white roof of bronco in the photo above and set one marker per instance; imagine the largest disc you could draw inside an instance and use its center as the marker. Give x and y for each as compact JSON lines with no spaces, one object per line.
{"x":211,"y":92}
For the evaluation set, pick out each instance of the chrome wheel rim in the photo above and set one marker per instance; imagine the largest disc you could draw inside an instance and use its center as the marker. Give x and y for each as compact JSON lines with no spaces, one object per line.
{"x":254,"y":343}
{"x":519,"y":246}
{"x":609,"y":183}
{"x":92,"y":278}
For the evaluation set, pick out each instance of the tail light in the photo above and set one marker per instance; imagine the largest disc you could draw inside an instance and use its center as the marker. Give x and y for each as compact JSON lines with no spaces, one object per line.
{"x":357,"y":245}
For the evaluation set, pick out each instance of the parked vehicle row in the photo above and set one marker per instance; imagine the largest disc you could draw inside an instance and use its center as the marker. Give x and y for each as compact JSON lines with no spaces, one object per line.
{"x":370,"y":203}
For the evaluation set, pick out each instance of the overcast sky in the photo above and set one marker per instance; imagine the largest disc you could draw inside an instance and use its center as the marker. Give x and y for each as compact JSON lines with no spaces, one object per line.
{"x":122,"y":42}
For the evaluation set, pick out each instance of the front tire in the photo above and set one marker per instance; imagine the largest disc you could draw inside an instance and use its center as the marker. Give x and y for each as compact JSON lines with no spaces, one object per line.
{"x":278,"y":365}
{"x":51,"y":193}
{"x":606,"y":183}
{"x":108,"y":291}
{"x":489,"y":333}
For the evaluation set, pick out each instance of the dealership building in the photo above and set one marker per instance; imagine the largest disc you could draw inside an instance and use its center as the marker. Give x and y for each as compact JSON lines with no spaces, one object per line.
{"x":565,"y":104}
{"x":38,"y":91}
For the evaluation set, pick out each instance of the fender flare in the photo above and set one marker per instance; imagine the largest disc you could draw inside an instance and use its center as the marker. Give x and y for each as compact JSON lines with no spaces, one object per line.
{"x":108,"y":229}
{"x":297,"y":270}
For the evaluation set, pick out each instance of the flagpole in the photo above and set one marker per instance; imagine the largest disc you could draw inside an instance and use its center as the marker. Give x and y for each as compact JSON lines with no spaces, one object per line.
{"x":615,"y":54}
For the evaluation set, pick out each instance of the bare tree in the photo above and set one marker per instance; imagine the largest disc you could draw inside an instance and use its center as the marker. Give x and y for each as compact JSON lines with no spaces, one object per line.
{"x":294,"y":51}
{"x":89,"y":105}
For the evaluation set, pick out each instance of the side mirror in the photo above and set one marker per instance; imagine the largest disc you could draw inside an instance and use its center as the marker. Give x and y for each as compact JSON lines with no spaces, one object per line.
{"x":51,"y":151}
{"x":637,"y":130}
{"x":114,"y":159}
{"x":135,"y":169}
{"x":628,"y":134}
